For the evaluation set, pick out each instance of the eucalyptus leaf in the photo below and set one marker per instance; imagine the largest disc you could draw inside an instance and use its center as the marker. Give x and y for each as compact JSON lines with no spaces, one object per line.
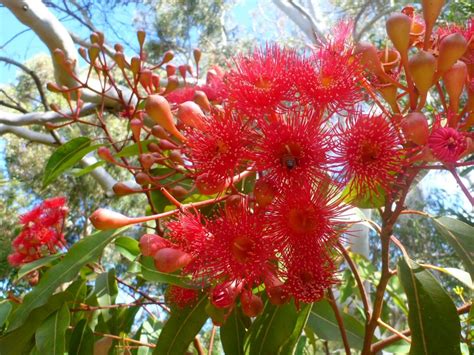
{"x":51,"y":335}
{"x":181,"y":328}
{"x":65,"y":157}
{"x":432,"y":316}
{"x":461,"y":237}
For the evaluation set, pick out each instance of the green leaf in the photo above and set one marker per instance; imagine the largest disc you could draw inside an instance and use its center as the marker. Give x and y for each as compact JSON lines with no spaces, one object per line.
{"x":273,"y":332}
{"x":181,"y":328}
{"x":149,"y":273}
{"x":128,"y":247}
{"x":37,"y":264}
{"x":88,"y":169}
{"x":461,"y":237}
{"x":323,"y":322}
{"x":432,"y":316}
{"x":106,"y":291}
{"x":65,"y":157}
{"x":368,"y":200}
{"x":84,"y":251}
{"x":20,"y":340}
{"x":5,"y":309}
{"x":82,"y":339}
{"x":233,"y":332}
{"x":51,"y":335}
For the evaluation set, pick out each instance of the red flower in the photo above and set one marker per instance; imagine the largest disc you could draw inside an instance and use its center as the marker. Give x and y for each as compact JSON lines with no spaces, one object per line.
{"x":329,"y":76}
{"x":188,"y":231}
{"x":235,"y":249}
{"x":41,"y":233}
{"x":181,"y":297}
{"x":309,"y":273}
{"x":262,"y":81}
{"x":304,"y":218}
{"x":447,"y":144}
{"x":368,"y":153}
{"x":293,"y":150}
{"x":220,"y":150}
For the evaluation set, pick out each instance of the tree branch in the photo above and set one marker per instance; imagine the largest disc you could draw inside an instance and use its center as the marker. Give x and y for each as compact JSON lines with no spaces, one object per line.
{"x":13,"y":119}
{"x":302,"y":19}
{"x":33,"y":75}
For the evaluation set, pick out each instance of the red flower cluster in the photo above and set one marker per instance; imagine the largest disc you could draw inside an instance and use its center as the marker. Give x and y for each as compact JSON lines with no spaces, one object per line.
{"x":42,"y":232}
{"x":277,"y":122}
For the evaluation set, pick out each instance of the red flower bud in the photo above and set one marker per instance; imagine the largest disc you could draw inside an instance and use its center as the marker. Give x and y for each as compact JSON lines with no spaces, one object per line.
{"x":151,"y":243}
{"x":104,"y":219}
{"x":159,"y":110}
{"x":191,"y":114}
{"x":171,"y":260}
{"x":415,"y":128}
{"x":252,"y":305}
{"x":398,"y":27}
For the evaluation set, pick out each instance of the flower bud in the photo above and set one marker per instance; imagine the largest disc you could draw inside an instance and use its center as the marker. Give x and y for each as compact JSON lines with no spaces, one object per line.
{"x":141,"y":37}
{"x":422,"y":68}
{"x":201,"y":99}
{"x":197,"y":55}
{"x":275,"y":290}
{"x":369,"y":58}
{"x":454,"y":80}
{"x":145,"y":78}
{"x":176,"y":157}
{"x":151,"y":243}
{"x":142,"y":179}
{"x":159,"y":132}
{"x":191,"y":114}
{"x":172,"y":84}
{"x":119,"y":59}
{"x":159,"y":110}
{"x":431,"y":11}
{"x":135,"y":65}
{"x":451,"y":48}
{"x":398,"y":27}
{"x":389,"y":93}
{"x":165,"y":144}
{"x":252,"y":305}
{"x":146,"y":160}
{"x":171,"y":260}
{"x":170,"y":70}
{"x":182,"y":71}
{"x":94,"y":51}
{"x":179,"y":192}
{"x":135,"y":126}
{"x":168,"y":56}
{"x":415,"y":128}
{"x":104,"y":153}
{"x":104,"y":219}
{"x":123,"y":189}
{"x":224,"y":295}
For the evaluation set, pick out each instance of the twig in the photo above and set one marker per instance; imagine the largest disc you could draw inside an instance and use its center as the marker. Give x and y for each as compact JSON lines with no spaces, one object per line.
{"x":211,"y":340}
{"x":360,"y":285}
{"x":340,"y":322}
{"x":393,"y":330}
{"x":33,"y":75}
